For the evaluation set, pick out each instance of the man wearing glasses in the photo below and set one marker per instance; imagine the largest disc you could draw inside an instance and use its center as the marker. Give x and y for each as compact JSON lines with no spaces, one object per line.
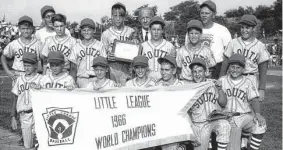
{"x":47,"y":12}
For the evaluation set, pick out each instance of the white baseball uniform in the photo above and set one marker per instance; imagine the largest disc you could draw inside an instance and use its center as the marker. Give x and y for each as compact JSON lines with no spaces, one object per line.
{"x":133,"y":83}
{"x":22,"y":90}
{"x":84,"y":56}
{"x":153,"y":53}
{"x":106,"y":85}
{"x":185,"y":56}
{"x":239,"y":95}
{"x":60,"y":82}
{"x":43,"y":33}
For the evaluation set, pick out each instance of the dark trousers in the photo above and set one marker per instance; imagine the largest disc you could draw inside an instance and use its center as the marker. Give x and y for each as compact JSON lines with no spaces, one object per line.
{"x":216,"y":70}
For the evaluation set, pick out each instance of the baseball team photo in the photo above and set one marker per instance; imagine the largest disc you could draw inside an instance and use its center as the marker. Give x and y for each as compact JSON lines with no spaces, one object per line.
{"x":141,"y":75}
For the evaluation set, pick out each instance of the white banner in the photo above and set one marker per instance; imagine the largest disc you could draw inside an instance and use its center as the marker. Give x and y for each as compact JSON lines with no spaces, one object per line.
{"x":114,"y":119}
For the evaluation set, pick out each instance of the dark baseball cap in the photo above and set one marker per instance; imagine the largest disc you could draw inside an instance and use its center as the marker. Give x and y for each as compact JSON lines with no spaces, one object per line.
{"x":46,"y":9}
{"x":158,"y":20}
{"x":100,"y":61}
{"x":194,"y":24}
{"x":237,"y":58}
{"x":250,"y":20}
{"x":55,"y":57}
{"x":210,"y":4}
{"x":88,"y":22}
{"x":198,"y":61}
{"x":25,"y":19}
{"x":169,"y":59}
{"x":29,"y":57}
{"x":140,"y":61}
{"x":119,"y":5}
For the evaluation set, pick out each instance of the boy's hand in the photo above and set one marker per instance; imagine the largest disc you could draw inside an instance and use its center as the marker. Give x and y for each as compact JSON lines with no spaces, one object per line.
{"x":218,"y":84}
{"x":117,"y":85}
{"x":14,"y":123}
{"x":258,"y":118}
{"x":34,"y":86}
{"x":70,"y":88}
{"x":261,"y":95}
{"x":111,"y":56}
{"x":12,"y":75}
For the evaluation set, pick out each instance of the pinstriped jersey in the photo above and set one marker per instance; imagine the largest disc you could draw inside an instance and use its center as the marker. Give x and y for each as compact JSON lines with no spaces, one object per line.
{"x":254,"y":52}
{"x":164,"y":83}
{"x":238,"y":95}
{"x":133,"y":83}
{"x":65,"y":46}
{"x":154,"y":52}
{"x":22,"y":90}
{"x":205,"y":104}
{"x":107,"y":84}
{"x":84,"y":56}
{"x":185,"y":56}
{"x":17,"y":48}
{"x":108,"y":36}
{"x":49,"y":81}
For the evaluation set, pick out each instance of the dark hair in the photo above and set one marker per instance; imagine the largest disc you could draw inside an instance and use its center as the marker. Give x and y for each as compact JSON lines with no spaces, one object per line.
{"x":156,"y":22}
{"x":59,"y":18}
{"x":119,"y":8}
{"x":25,"y":22}
{"x":47,"y":11}
{"x":195,"y":29}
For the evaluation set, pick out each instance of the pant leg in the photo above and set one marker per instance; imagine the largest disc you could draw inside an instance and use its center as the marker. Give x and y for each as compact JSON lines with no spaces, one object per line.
{"x":27,"y":126}
{"x":202,"y":133}
{"x":222,"y":130}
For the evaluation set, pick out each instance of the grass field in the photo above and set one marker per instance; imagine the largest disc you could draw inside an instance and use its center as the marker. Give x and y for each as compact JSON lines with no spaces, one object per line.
{"x":271,"y":110}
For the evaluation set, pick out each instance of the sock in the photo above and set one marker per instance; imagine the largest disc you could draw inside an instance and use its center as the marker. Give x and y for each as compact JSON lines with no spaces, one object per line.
{"x":222,"y":146}
{"x":210,"y":144}
{"x":256,"y":141}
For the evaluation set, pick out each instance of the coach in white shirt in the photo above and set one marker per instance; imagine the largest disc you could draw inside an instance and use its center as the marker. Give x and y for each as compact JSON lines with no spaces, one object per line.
{"x":214,"y":35}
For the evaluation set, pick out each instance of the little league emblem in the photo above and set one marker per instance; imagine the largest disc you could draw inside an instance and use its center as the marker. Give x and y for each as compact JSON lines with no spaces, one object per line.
{"x":61,"y":125}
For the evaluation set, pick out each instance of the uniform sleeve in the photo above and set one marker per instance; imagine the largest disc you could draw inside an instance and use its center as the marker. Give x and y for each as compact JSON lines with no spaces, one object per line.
{"x":128,"y":83}
{"x":104,"y":40}
{"x":252,"y":91}
{"x":263,"y":54}
{"x":67,"y":32}
{"x":15,"y":87}
{"x":72,"y":57}
{"x":211,"y":59}
{"x":229,"y":50}
{"x":173,"y":51}
{"x":179,"y":58}
{"x":226,"y":36}
{"x":9,"y":51}
{"x":89,"y":86}
{"x":103,"y":51}
{"x":45,"y":49}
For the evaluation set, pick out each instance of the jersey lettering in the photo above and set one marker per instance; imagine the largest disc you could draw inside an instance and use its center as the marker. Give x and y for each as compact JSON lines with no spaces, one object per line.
{"x":88,"y":52}
{"x":156,"y":53}
{"x":248,"y":54}
{"x":206,"y":97}
{"x":54,"y":85}
{"x":61,"y":48}
{"x":21,"y":51}
{"x":238,"y":93}
{"x":23,"y":87}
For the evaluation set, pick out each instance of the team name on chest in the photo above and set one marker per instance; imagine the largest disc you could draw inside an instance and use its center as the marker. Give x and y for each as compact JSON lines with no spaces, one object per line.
{"x":123,"y":38}
{"x":249,"y":54}
{"x":54,"y":85}
{"x":188,"y":59}
{"x":236,"y":92}
{"x":23,"y":87}
{"x":19,"y":53}
{"x":204,"y":98}
{"x":65,"y":50}
{"x":156,"y":53}
{"x":88,"y":52}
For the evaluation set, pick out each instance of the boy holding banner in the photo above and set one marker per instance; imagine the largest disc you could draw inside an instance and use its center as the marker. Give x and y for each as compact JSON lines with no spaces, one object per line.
{"x":211,"y":100}
{"x":140,"y":64}
{"x":101,"y":68}
{"x":22,"y":105}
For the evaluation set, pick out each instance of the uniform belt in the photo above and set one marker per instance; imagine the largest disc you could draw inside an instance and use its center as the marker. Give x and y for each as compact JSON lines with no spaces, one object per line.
{"x":246,"y":74}
{"x":25,"y":111}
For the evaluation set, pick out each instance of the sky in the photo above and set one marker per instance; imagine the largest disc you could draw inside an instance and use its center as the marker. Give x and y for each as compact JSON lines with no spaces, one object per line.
{"x":76,"y":10}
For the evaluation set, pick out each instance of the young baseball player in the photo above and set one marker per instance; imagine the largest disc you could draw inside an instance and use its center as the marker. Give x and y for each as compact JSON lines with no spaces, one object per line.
{"x":85,"y":51}
{"x":212,"y":99}
{"x":168,"y":69}
{"x":119,"y":71}
{"x":140,"y":64}
{"x":255,"y":53}
{"x":156,"y":47}
{"x":242,"y":97}
{"x":194,"y":49}
{"x":23,"y":105}
{"x":25,"y":43}
{"x":61,"y":42}
{"x":58,"y":78}
{"x":101,"y":67}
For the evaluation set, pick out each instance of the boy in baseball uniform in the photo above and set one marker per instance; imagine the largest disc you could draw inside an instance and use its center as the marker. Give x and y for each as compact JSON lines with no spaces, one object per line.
{"x":211,"y":100}
{"x":101,"y":68}
{"x":58,"y":78}
{"x":119,"y":71}
{"x":25,"y":43}
{"x":242,"y":97}
{"x":255,"y":52}
{"x":140,"y":64}
{"x":61,"y":42}
{"x":194,"y":49}
{"x":156,"y":47}
{"x":23,"y":105}
{"x":85,"y":51}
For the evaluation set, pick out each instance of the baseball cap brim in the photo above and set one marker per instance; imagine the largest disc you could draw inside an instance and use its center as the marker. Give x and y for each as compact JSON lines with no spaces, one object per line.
{"x":29,"y":61}
{"x":140,"y":64}
{"x":160,"y":60}
{"x":198,"y":63}
{"x":55,"y":61}
{"x":100,"y":64}
{"x":236,"y":61}
{"x":247,"y":23}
